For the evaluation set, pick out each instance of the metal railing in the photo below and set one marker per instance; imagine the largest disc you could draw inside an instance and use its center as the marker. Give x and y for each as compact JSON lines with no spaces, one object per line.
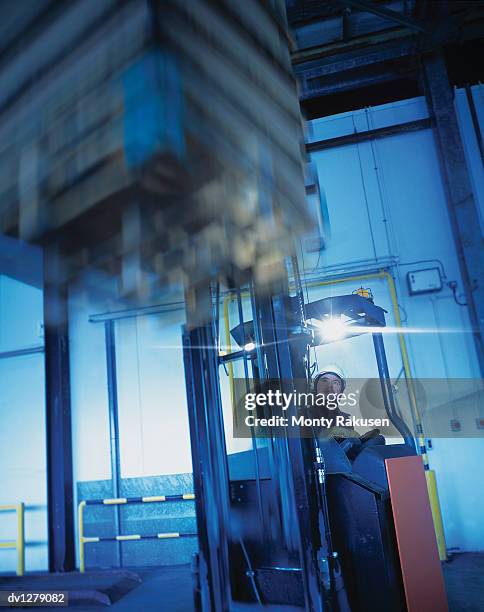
{"x":83,"y":540}
{"x":19,"y":543}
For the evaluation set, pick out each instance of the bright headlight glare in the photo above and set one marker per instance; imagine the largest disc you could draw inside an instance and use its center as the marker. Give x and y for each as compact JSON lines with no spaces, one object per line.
{"x":332,"y":329}
{"x":250,"y":346}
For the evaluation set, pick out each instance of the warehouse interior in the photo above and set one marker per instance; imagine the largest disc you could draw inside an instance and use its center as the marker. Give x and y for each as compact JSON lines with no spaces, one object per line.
{"x":203,"y":199}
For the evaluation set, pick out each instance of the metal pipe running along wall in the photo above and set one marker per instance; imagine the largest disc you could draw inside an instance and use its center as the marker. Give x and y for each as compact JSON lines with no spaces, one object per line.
{"x":117,"y":501}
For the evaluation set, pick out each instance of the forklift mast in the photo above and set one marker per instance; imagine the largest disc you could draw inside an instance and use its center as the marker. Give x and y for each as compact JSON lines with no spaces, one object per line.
{"x":284,"y":543}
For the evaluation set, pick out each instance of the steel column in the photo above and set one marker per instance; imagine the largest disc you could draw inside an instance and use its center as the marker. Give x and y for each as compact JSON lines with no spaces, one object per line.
{"x":299,"y":454}
{"x":60,"y":499}
{"x":461,"y":204}
{"x":113,"y":424}
{"x":292,"y":454}
{"x":210,"y":470}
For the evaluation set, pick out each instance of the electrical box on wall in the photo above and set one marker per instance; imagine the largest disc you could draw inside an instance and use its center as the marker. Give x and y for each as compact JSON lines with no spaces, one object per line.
{"x":428,"y":280}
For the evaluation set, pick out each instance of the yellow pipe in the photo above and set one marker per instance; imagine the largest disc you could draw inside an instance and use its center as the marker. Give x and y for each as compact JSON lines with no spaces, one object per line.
{"x":429,"y":474}
{"x":19,"y":543}
{"x":230,"y":297}
{"x":436,"y":513}
{"x":230,"y":367}
{"x":20,"y":539}
{"x":80,"y":519}
{"x":347,"y":279}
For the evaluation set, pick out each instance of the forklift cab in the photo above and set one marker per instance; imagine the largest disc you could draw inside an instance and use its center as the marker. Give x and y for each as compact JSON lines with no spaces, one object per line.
{"x":298,"y":521}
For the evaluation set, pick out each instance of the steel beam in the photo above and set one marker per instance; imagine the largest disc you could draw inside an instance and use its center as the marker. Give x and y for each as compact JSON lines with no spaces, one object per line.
{"x":347,"y":139}
{"x":316,"y":65}
{"x":60,"y":498}
{"x":384,"y":13}
{"x":359,"y":46}
{"x":350,"y":70}
{"x":347,"y":83}
{"x":461,"y":204}
{"x":142,"y":311}
{"x":31,"y":350}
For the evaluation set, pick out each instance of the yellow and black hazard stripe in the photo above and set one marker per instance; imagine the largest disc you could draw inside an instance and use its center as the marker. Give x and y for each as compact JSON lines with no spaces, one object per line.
{"x":114,"y":501}
{"x":137,"y":536}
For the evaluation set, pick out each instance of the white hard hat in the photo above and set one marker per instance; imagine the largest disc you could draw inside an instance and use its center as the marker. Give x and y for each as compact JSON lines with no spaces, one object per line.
{"x":331,"y":369}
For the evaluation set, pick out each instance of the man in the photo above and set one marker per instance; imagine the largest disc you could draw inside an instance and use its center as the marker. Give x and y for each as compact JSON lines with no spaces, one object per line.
{"x":331,"y":382}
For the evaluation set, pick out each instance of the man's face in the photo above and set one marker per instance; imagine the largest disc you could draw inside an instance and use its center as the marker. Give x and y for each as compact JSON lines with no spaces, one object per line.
{"x":329,"y":383}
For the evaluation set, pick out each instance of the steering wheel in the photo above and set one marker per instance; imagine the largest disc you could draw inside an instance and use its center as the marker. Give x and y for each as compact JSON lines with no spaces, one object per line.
{"x":369,"y":435}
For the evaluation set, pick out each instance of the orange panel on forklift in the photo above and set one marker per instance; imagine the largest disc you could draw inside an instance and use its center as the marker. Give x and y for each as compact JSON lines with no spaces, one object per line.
{"x":417,"y":547}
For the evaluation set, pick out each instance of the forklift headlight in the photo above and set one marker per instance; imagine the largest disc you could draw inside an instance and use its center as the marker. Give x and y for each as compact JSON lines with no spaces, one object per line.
{"x":331,"y":329}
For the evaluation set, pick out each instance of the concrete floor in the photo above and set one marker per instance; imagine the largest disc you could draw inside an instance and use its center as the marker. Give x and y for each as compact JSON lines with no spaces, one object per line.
{"x":169,"y":589}
{"x":464,"y":579}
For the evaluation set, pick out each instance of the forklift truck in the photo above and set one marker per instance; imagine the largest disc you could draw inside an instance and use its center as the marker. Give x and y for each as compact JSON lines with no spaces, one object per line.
{"x":316,"y":524}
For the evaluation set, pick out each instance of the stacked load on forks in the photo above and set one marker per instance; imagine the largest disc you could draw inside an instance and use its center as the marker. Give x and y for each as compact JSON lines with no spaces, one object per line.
{"x":163,"y":144}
